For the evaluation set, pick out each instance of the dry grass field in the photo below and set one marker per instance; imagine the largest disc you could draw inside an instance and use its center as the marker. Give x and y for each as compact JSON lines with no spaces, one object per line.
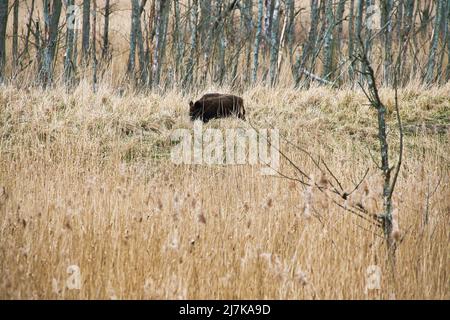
{"x":86,"y":180}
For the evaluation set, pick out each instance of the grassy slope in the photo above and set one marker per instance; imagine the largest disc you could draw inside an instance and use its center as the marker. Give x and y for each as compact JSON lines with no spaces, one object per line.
{"x":86,"y":180}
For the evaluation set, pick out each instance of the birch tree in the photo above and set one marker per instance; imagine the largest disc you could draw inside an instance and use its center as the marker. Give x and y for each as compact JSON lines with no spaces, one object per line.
{"x":274,"y":43}
{"x":429,"y":76}
{"x":328,"y":41}
{"x":68,"y":62}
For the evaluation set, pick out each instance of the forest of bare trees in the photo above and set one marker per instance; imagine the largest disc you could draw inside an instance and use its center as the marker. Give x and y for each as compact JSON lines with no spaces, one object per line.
{"x":238,"y":42}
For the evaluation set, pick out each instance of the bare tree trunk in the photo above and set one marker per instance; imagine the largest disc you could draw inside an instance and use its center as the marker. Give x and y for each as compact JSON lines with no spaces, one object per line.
{"x":207,"y":35}
{"x":257,"y":40}
{"x":166,"y":13}
{"x":105,"y":47}
{"x":351,"y":37}
{"x":133,"y":36}
{"x":94,"y":46}
{"x":358,"y":26}
{"x":290,"y":32}
{"x":191,"y":65}
{"x":248,"y":32}
{"x":274,"y":44}
{"x":429,"y":77}
{"x":3,"y":23}
{"x":157,"y":45}
{"x":220,"y":73}
{"x":328,"y":42}
{"x":178,"y":42}
{"x":309,"y":47}
{"x":29,"y":25}
{"x":447,"y":76}
{"x":268,"y":21}
{"x":75,"y":48}
{"x":340,"y":29}
{"x":162,"y":12}
{"x":444,"y":22}
{"x":143,"y":63}
{"x":86,"y":31}
{"x":37,"y":42}
{"x":15,"y":47}
{"x":68,"y":62}
{"x":407,"y":31}
{"x":390,"y":180}
{"x":371,"y":10}
{"x":45,"y":74}
{"x":359,"y":18}
{"x":387,"y":25}
{"x":399,"y":7}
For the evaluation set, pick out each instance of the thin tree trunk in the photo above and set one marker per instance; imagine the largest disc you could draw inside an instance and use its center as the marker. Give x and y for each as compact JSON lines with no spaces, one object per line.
{"x":191,"y":66}
{"x":257,"y":40}
{"x":157,"y":45}
{"x":133,"y":36}
{"x":328,"y":42}
{"x":290,"y":32}
{"x":371,"y":11}
{"x":105,"y":47}
{"x":268,"y":21}
{"x":68,"y":62}
{"x":207,"y":35}
{"x":15,"y":47}
{"x":387,"y":25}
{"x":447,"y":77}
{"x":162,"y":9}
{"x":166,"y":13}
{"x":94,"y":46}
{"x":274,"y":44}
{"x":3,"y":23}
{"x":220,"y":71}
{"x":444,"y":22}
{"x":37,"y":43}
{"x":309,"y":46}
{"x":351,"y":37}
{"x":429,"y":77}
{"x":178,"y":42}
{"x":51,"y":37}
{"x":358,"y":26}
{"x":143,"y":65}
{"x":359,"y":18}
{"x":248,"y":31}
{"x":406,"y":34}
{"x":340,"y":29}
{"x":29,"y":25}
{"x":86,"y":31}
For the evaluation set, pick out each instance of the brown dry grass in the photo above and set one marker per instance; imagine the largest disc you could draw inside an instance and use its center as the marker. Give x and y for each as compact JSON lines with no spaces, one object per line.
{"x":87,"y":180}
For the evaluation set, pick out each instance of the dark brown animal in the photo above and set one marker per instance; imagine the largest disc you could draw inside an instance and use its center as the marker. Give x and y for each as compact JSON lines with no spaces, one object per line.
{"x":216,"y":105}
